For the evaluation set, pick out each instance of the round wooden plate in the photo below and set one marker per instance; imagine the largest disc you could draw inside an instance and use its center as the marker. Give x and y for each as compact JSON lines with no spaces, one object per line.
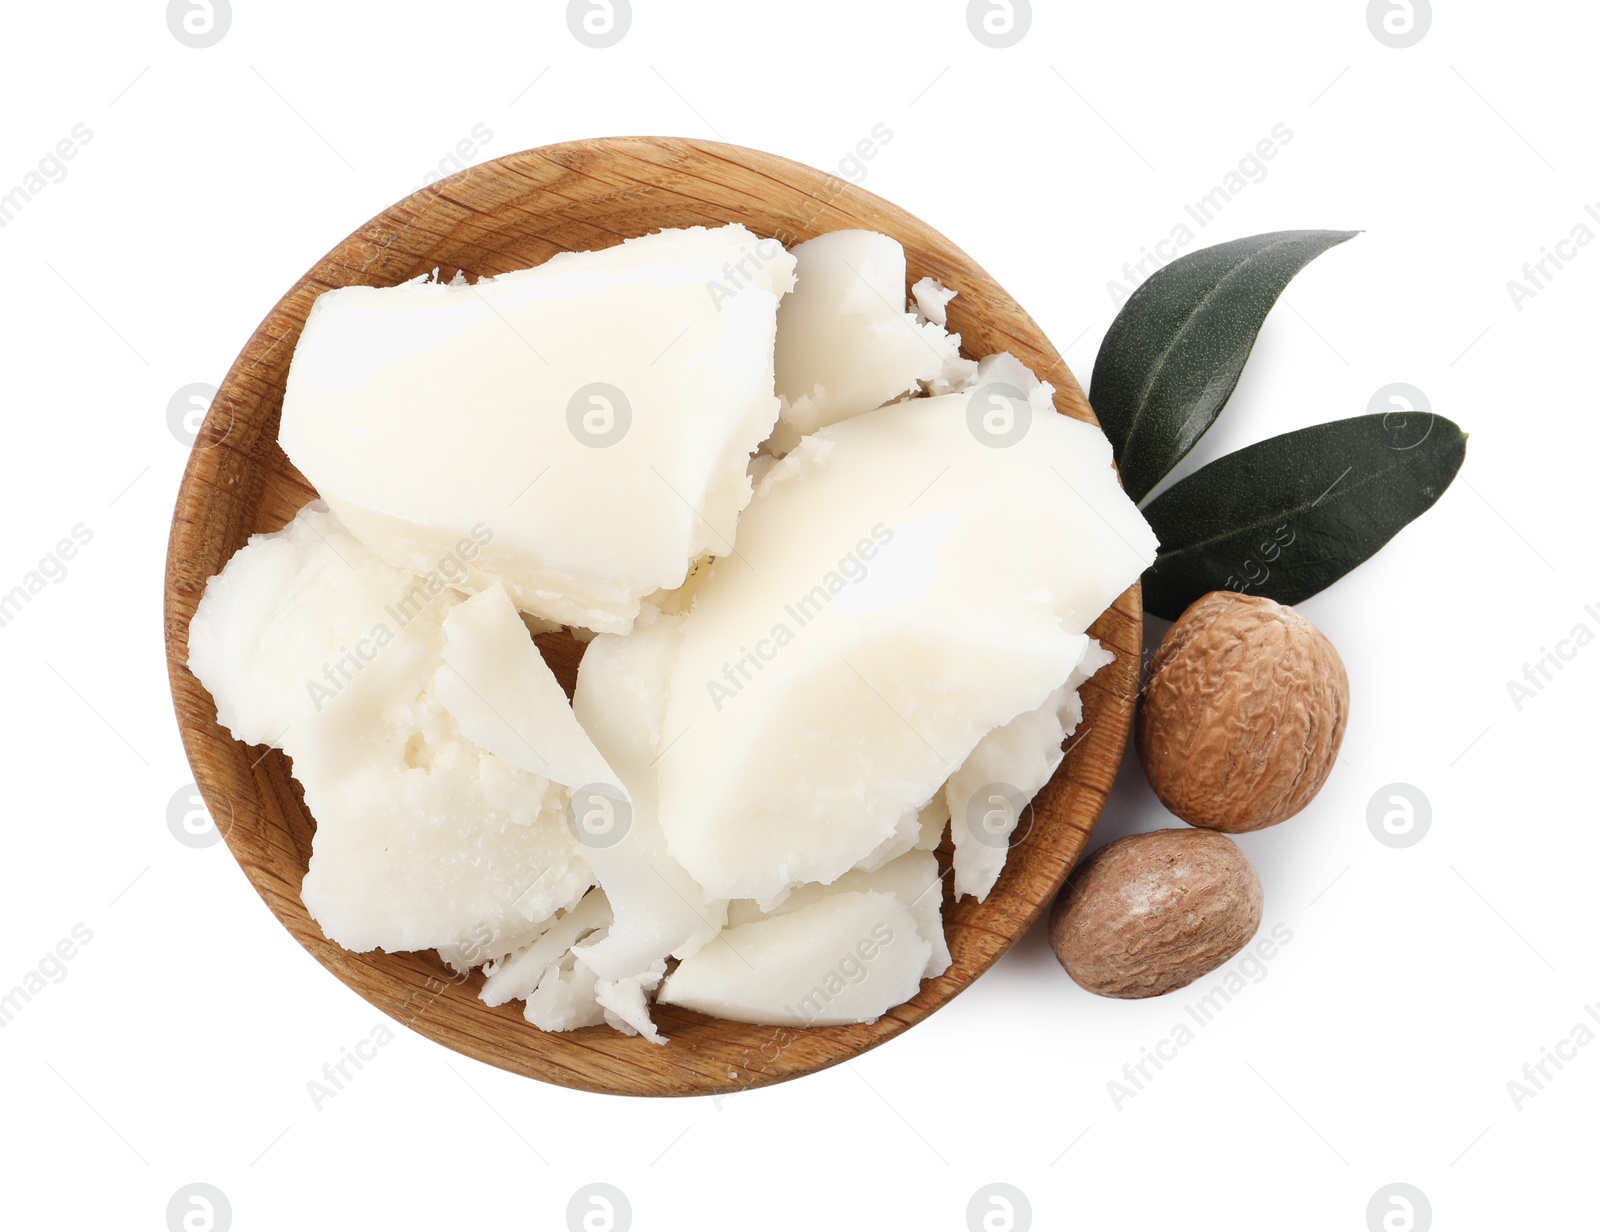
{"x":508,"y":214}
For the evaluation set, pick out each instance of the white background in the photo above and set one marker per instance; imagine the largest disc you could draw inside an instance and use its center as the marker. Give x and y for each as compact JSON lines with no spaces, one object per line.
{"x":1379,"y":1045}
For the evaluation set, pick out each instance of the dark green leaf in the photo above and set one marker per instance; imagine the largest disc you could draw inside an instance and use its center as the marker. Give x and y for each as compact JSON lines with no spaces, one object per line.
{"x":1173,"y":356}
{"x":1294,"y":514}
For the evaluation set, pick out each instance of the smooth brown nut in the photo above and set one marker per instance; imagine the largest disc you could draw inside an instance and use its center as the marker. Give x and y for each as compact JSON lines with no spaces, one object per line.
{"x":1242,"y":714}
{"x":1153,"y":912}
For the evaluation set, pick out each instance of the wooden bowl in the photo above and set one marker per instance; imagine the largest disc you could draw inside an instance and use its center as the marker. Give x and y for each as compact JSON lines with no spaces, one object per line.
{"x":508,"y":214}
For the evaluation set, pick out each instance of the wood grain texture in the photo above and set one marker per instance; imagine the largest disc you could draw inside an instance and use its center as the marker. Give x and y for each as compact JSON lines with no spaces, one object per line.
{"x":509,"y":214}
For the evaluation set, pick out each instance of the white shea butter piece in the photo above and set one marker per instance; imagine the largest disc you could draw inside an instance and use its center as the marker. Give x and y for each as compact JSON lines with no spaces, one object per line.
{"x":424,"y":840}
{"x":561,"y":991}
{"x":846,"y":957}
{"x":583,"y":427}
{"x":294,"y":618}
{"x":659,"y":909}
{"x":903,"y":585}
{"x":932,"y":299}
{"x":933,"y":819}
{"x":1004,"y":368}
{"x":505,"y":698}
{"x":903,"y":838}
{"x":565,"y":998}
{"x":912,"y":878}
{"x":987,"y":798}
{"x":514,"y":977}
{"x":846,"y":343}
{"x":626,"y":1002}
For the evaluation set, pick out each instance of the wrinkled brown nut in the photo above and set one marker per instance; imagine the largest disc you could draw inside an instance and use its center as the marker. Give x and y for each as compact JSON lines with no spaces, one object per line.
{"x":1153,"y":912}
{"x":1243,"y":713}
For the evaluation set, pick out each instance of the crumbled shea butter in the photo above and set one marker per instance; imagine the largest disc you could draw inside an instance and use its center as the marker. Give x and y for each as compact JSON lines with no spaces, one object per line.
{"x":779,"y":712}
{"x":312,"y":644}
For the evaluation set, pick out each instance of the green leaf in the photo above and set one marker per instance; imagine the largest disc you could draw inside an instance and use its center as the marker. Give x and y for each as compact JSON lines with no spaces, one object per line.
{"x":1172,"y":357}
{"x":1294,"y":514}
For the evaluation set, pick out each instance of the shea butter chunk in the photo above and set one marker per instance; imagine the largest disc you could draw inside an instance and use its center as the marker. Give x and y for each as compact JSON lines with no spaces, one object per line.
{"x":846,"y":343}
{"x":902,"y":587}
{"x":844,"y":958}
{"x":593,"y":416}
